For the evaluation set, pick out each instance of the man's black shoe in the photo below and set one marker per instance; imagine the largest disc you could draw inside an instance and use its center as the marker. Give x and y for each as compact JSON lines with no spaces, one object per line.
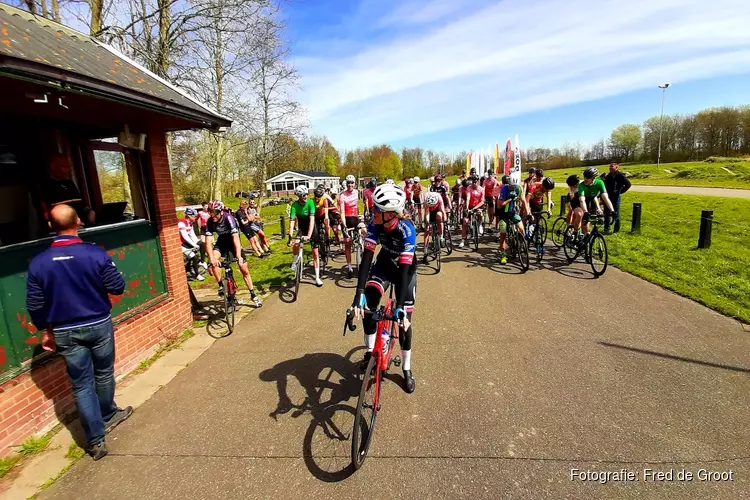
{"x":121,"y":415}
{"x":349,"y":274}
{"x":98,"y":451}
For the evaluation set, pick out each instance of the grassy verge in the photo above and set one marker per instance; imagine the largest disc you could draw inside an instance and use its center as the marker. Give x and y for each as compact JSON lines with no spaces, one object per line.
{"x":30,"y":447}
{"x":701,"y":173}
{"x":666,"y":251}
{"x":162,"y":350}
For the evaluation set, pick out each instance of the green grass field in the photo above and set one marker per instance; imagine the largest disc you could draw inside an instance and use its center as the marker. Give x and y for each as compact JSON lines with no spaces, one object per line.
{"x":701,"y":173}
{"x":666,"y":251}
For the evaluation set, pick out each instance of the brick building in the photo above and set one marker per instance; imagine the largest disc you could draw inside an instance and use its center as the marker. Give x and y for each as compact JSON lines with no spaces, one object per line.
{"x":65,"y":93}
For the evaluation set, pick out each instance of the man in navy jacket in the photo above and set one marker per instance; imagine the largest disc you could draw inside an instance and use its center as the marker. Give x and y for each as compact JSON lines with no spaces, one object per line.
{"x":67,"y":298}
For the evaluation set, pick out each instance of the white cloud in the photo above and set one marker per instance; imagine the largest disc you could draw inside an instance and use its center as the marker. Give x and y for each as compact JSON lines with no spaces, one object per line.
{"x":514,"y":57}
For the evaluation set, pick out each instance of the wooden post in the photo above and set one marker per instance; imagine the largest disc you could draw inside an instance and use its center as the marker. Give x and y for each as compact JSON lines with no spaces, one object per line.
{"x":707,"y":224}
{"x":563,"y":202}
{"x":283,"y":225}
{"x":636,"y":228}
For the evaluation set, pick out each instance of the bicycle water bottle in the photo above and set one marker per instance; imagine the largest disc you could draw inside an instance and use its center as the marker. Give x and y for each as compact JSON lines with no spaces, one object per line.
{"x":386,"y":340}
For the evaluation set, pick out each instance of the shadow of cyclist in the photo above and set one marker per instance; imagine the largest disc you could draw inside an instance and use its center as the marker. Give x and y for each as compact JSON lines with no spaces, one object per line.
{"x":327,"y":442}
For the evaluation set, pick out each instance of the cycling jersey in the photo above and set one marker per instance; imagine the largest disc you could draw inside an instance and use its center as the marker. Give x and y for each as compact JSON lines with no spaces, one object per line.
{"x":302,"y":212}
{"x":225,"y":227}
{"x":489,"y":187}
{"x":506,"y":194}
{"x":203,"y":217}
{"x":348,"y":203}
{"x":367,"y":195}
{"x":321,"y":205}
{"x":397,"y":246}
{"x":592,"y":191}
{"x":417,"y":193}
{"x":475,"y":194}
{"x":536,"y":191}
{"x":188,"y":237}
{"x":456,"y":192}
{"x":440,"y":207}
{"x":408,"y":190}
{"x":443,"y":188}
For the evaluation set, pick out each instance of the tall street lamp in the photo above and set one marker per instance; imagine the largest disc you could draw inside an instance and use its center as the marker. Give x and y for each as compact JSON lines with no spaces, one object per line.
{"x":661,"y":122}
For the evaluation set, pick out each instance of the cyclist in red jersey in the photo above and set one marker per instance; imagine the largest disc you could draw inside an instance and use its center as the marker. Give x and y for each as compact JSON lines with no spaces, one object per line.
{"x":490,"y":183}
{"x":434,"y":212}
{"x":349,"y":207}
{"x":473,"y":200}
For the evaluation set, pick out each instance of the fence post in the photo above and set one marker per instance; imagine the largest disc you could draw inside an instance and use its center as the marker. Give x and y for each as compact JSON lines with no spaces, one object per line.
{"x":707,"y":224}
{"x":283,"y":226}
{"x":563,"y":202}
{"x":636,"y":228}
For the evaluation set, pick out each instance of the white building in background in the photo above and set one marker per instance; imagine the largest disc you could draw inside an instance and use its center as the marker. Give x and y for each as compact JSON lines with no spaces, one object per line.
{"x":284,"y":183}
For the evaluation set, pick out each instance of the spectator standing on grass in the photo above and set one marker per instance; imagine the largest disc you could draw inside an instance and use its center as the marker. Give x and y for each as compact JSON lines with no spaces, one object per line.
{"x":247,"y":229}
{"x":203,"y":216}
{"x":617,"y":184}
{"x":67,"y":296}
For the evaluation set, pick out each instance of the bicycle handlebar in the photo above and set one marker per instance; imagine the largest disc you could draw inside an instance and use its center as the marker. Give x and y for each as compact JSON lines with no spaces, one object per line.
{"x":379,"y":315}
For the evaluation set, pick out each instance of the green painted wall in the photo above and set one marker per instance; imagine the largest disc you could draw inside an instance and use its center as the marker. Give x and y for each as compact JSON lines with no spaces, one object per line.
{"x":134,"y":248}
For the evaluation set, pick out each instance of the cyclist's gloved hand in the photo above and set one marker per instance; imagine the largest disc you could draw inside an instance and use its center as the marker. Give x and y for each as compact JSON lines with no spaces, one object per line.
{"x":399,"y":313}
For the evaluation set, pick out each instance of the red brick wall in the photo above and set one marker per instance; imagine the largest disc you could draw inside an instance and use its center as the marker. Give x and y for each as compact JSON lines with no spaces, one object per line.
{"x":35,"y":400}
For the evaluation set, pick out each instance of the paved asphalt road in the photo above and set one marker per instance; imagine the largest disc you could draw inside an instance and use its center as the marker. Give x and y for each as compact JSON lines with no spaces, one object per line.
{"x":521,"y":378}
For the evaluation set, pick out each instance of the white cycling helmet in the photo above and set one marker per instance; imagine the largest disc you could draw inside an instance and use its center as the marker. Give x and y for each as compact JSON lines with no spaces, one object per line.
{"x":301,"y":190}
{"x":458,"y":181}
{"x":390,"y":182}
{"x":431,"y":199}
{"x":389,"y":198}
{"x":416,"y":180}
{"x":350,"y":178}
{"x":334,"y":190}
{"x":432,"y":179}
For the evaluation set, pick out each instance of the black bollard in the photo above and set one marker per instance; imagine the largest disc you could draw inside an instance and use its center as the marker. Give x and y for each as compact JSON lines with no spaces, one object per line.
{"x":563,"y":203}
{"x":707,"y":224}
{"x":283,"y":226}
{"x":636,"y":228}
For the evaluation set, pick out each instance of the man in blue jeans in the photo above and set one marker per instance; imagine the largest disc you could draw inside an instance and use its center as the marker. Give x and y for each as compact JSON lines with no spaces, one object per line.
{"x":67,"y":298}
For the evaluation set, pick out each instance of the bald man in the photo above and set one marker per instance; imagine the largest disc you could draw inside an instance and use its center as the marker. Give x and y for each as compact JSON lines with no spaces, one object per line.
{"x":67,"y":297}
{"x":59,"y":188}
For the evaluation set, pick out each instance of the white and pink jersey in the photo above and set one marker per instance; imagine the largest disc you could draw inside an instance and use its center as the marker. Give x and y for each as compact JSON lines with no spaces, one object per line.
{"x":475,"y":194}
{"x":348,"y":203}
{"x":440,"y":207}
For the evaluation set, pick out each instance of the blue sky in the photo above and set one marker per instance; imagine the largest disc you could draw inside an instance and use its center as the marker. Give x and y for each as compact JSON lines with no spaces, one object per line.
{"x":463,"y":74}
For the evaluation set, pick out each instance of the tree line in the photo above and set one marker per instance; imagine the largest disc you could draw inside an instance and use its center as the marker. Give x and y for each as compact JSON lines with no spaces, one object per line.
{"x":722,"y":131}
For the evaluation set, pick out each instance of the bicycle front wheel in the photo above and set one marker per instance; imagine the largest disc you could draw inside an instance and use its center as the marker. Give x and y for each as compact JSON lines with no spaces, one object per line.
{"x":522,"y":247}
{"x":541,"y":229}
{"x":229,"y":304}
{"x":475,"y":225}
{"x":558,"y":231}
{"x":538,"y":244}
{"x":364,"y":418}
{"x":436,"y":250}
{"x":599,"y":255}
{"x":448,"y":240}
{"x":570,"y":245}
{"x":297,"y":279}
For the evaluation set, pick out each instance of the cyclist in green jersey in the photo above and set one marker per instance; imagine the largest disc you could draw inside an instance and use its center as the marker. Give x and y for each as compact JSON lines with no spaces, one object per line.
{"x":589,"y":192}
{"x":303,"y":213}
{"x":508,"y":205}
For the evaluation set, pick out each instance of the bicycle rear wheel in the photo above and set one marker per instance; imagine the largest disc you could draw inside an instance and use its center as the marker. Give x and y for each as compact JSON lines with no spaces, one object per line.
{"x":364,"y":418}
{"x":599,"y":256}
{"x":522,"y":247}
{"x":558,"y":231}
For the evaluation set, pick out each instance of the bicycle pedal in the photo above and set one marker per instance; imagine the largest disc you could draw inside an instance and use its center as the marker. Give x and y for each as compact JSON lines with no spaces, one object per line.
{"x":396,"y":361}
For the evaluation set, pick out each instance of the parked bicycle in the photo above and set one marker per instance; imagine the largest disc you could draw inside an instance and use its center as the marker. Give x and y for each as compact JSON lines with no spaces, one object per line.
{"x":369,"y":404}
{"x":593,"y":247}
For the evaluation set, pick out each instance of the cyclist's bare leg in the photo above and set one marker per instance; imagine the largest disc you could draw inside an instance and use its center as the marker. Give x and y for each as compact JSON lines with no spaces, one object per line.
{"x":263,"y":241}
{"x":244,"y":269}
{"x":216,"y":270}
{"x":440,"y":224}
{"x":577,"y":218}
{"x":256,"y":246}
{"x":316,"y":262}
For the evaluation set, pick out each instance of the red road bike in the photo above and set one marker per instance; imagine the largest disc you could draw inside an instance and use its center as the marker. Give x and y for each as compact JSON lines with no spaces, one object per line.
{"x":368,"y":404}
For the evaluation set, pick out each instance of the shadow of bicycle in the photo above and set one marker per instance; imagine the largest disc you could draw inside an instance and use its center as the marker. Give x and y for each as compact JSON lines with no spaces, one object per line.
{"x":329,"y":380}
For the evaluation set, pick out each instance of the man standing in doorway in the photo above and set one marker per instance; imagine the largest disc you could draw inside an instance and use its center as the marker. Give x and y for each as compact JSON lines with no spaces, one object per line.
{"x":67,"y":297}
{"x":617,"y":184}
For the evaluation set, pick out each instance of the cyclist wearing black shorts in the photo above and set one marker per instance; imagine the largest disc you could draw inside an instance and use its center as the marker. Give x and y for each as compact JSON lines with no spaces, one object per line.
{"x":222,"y":241}
{"x":303,"y":214}
{"x":395,"y":264}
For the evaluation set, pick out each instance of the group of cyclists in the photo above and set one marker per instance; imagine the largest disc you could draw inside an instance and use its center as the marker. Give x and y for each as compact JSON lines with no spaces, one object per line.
{"x":391,"y":218}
